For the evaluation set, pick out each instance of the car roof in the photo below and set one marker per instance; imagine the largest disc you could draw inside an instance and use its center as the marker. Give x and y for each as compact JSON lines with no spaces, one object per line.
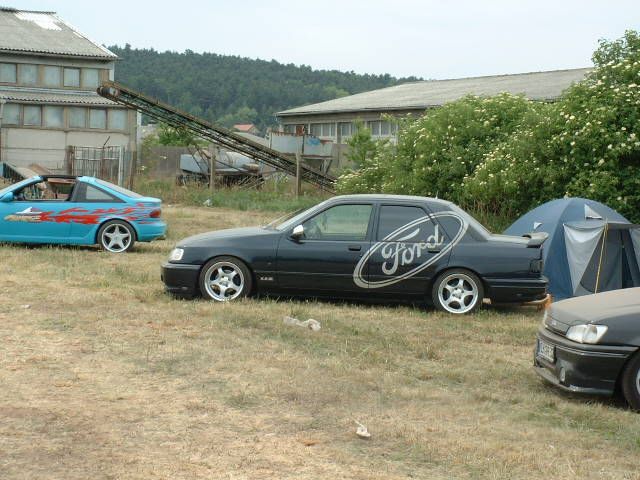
{"x":66,"y":177}
{"x":381,"y":196}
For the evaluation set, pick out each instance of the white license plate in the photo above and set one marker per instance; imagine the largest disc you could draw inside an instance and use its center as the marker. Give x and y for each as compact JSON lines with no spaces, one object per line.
{"x":546,"y":351}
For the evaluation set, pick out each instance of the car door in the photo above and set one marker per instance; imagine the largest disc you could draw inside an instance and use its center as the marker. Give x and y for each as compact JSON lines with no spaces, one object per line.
{"x":33,"y":214}
{"x":324,"y":259}
{"x":89,"y":205}
{"x":408,"y":248}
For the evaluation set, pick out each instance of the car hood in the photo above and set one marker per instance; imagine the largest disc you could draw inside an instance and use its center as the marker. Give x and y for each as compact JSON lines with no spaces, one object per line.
{"x":206,"y":239}
{"x":603,"y":308}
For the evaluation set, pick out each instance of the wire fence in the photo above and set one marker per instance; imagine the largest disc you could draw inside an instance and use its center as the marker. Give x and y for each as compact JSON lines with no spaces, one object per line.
{"x":108,"y":163}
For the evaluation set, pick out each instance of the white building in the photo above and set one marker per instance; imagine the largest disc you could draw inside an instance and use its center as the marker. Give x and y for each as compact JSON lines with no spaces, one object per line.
{"x":49,"y":73}
{"x":334,"y":119}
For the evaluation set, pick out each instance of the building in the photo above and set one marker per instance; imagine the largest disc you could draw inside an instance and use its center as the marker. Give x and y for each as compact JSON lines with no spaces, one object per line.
{"x":247,"y":128}
{"x":49,"y":73}
{"x":334,"y":119}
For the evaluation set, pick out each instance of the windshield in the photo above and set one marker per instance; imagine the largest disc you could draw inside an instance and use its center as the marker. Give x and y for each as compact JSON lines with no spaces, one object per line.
{"x":291,"y":219}
{"x":15,"y":185}
{"x":120,"y":190}
{"x":282,"y":222}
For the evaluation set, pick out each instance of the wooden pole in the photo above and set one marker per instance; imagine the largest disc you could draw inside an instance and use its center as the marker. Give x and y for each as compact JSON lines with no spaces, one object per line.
{"x":213,"y":150}
{"x":298,"y":175}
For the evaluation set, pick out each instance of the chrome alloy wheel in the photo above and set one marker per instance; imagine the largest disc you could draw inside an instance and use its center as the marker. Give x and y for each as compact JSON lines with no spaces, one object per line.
{"x":458,"y":293}
{"x":116,"y":238}
{"x":224,"y":281}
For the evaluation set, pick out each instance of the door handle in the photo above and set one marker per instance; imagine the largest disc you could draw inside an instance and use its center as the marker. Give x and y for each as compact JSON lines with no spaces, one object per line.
{"x":434,"y":250}
{"x":355,"y":248}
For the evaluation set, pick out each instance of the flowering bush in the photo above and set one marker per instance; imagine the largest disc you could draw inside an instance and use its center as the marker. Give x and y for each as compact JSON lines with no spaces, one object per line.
{"x":587,"y":144}
{"x":506,"y":155}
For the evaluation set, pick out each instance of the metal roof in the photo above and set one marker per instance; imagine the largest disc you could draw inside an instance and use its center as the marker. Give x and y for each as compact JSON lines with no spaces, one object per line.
{"x":44,"y":33}
{"x":545,"y":86}
{"x":54,"y":97}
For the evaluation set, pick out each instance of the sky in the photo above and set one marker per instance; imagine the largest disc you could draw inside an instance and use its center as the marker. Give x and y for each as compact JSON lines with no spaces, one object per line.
{"x":432,"y":39}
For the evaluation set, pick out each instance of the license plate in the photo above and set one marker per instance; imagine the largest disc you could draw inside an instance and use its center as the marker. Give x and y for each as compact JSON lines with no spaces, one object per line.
{"x":546,"y":351}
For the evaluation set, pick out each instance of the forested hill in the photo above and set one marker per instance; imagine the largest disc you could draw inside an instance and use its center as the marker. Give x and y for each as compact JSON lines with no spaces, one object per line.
{"x":229,"y":89}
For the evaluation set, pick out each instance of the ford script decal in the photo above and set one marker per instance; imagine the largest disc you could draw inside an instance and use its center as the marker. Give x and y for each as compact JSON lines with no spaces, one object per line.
{"x":408,"y":247}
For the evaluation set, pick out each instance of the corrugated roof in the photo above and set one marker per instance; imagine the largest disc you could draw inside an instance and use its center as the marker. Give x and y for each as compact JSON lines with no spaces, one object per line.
{"x":422,"y":95}
{"x":244,"y":127}
{"x":57,"y":97}
{"x":45,"y":33}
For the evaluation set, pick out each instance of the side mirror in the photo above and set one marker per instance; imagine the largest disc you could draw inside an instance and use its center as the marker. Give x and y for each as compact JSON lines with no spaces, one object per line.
{"x":298,"y":232}
{"x":7,"y":197}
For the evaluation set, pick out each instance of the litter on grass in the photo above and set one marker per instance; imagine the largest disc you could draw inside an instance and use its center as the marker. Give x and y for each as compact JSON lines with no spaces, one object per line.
{"x":311,"y":324}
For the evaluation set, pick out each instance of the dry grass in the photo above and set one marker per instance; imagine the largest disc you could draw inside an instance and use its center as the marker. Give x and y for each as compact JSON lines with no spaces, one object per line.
{"x":104,"y":376}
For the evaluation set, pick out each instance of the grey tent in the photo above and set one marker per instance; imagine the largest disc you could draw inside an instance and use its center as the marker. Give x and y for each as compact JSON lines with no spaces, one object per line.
{"x":591,"y":248}
{"x":602,"y":255}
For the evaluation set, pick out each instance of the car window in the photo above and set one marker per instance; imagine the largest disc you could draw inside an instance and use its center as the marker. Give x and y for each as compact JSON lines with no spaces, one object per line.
{"x":392,"y":217}
{"x":342,"y":222}
{"x":14,"y":186}
{"x":120,"y":190}
{"x":89,"y":193}
{"x":48,"y":190}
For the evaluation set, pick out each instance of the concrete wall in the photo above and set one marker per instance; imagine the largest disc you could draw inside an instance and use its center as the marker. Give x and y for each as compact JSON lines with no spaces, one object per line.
{"x":22,"y":146}
{"x":293,"y":143}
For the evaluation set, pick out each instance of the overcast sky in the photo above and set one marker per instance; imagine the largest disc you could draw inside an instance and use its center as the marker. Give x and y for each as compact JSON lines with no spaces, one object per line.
{"x":428,"y":38}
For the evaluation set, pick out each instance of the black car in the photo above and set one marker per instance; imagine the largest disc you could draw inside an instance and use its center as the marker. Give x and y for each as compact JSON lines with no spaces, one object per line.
{"x":591,"y":344}
{"x":377,"y":246}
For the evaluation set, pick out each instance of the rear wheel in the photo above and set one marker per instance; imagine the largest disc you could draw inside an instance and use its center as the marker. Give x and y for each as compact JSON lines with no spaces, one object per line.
{"x":225,"y":278}
{"x":116,"y":236}
{"x":630,"y":382}
{"x":457,"y":291}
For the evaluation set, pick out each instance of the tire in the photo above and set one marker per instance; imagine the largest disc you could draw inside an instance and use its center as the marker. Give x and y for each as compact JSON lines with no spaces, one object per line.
{"x":457,"y":291}
{"x":630,"y":382}
{"x":223,"y":279}
{"x":116,"y":236}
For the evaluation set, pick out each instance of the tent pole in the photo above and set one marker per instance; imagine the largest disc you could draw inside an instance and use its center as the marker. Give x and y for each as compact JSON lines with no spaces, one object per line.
{"x":604,"y":241}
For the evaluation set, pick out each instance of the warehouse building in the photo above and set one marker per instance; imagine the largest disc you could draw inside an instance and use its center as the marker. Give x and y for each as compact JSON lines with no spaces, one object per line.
{"x":49,"y":73}
{"x":334,"y":119}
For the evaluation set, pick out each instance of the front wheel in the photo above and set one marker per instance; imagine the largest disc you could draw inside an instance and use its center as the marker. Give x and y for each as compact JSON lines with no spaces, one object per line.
{"x":630,"y":383}
{"x":225,"y":278}
{"x":116,"y":236}
{"x":457,"y":291}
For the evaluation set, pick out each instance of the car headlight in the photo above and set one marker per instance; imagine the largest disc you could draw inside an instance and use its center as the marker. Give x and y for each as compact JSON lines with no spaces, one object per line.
{"x":586,"y":333}
{"x":176,"y":254}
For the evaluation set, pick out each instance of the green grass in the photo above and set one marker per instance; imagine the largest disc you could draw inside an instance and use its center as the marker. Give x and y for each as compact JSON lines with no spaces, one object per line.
{"x":270,"y":198}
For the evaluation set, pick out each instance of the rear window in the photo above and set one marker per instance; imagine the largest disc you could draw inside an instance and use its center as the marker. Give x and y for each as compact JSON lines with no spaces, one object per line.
{"x":120,"y":190}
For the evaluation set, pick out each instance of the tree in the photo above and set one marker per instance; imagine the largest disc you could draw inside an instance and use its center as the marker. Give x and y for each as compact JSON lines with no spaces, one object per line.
{"x":231,"y":89}
{"x":506,"y":154}
{"x":179,"y":137}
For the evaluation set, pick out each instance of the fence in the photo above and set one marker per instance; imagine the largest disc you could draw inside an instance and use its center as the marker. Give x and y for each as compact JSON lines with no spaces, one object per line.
{"x":109,"y":163}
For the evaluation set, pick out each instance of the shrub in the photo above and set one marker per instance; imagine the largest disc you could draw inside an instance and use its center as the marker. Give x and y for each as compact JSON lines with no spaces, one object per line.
{"x":504,"y":155}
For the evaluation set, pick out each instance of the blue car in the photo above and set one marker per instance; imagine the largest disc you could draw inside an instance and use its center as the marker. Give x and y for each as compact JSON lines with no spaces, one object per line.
{"x":61,"y":209}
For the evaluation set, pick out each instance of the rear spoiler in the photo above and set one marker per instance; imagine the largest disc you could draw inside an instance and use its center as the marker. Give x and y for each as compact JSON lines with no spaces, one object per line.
{"x":536,"y":239}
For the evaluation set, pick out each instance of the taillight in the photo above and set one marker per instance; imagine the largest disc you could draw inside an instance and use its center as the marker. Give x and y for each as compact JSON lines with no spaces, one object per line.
{"x":155,"y":213}
{"x":536,"y":266}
